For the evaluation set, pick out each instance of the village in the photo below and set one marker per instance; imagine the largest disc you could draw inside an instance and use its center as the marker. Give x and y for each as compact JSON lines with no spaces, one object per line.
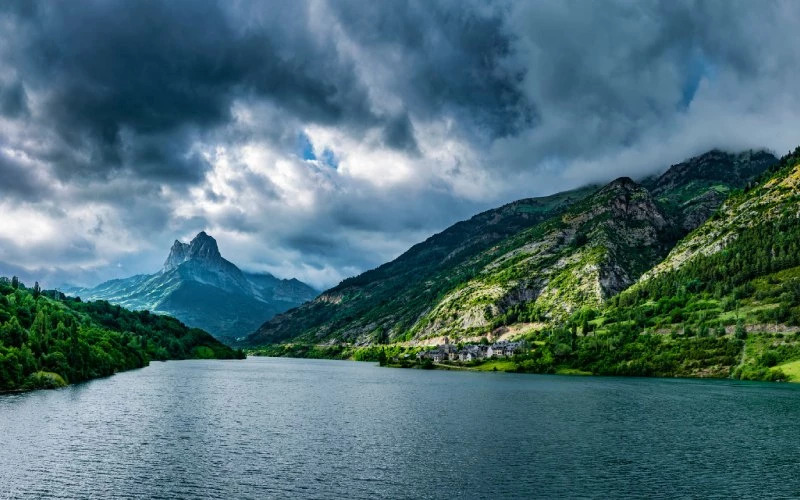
{"x":449,"y":352}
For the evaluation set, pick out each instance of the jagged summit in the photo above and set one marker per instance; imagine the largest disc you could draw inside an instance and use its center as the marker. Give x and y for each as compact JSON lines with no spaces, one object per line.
{"x":177,"y":255}
{"x":715,"y":166}
{"x":622,"y":181}
{"x":620,"y":187}
{"x":202,"y":248}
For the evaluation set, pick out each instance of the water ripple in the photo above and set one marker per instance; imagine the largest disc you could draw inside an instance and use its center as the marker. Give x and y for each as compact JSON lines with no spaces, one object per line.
{"x":272,"y":428}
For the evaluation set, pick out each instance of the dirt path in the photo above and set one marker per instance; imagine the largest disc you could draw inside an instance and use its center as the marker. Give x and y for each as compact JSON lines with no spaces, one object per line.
{"x":741,"y":358}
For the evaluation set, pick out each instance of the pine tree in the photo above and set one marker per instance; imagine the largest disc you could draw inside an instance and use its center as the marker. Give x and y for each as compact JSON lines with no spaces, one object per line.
{"x":12,"y":333}
{"x":38,"y":334}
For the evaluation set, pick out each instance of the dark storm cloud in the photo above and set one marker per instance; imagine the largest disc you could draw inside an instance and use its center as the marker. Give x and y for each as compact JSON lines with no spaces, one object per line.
{"x":19,"y":181}
{"x":154,"y":70}
{"x":13,"y":101}
{"x":452,"y":60}
{"x":151,"y":69}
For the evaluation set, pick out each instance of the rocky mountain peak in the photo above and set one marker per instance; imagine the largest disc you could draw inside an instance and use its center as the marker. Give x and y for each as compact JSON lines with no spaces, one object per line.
{"x":622,"y":190}
{"x":621,"y":184}
{"x":177,"y":255}
{"x":716,"y":166}
{"x":202,"y":248}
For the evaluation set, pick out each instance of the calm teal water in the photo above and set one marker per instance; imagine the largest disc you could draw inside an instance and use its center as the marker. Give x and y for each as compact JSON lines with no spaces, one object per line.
{"x":332,"y":429}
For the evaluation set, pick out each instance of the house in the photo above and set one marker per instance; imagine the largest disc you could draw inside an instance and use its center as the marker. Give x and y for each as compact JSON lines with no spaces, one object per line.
{"x":472,"y":353}
{"x":511,"y":348}
{"x":450,"y":351}
{"x":498,"y":349}
{"x":504,"y":349}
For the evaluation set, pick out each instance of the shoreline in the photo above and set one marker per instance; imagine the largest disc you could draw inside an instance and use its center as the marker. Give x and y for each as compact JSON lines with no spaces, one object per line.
{"x":560,"y":371}
{"x":7,"y":392}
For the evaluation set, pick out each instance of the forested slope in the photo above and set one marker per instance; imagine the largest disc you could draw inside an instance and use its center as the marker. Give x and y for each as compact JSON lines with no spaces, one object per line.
{"x":49,"y":340}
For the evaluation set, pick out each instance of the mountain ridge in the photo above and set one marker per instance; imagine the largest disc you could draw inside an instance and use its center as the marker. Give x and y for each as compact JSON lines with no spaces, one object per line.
{"x":408,"y":298}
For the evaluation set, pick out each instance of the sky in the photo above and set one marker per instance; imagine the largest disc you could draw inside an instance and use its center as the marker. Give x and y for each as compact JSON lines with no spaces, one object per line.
{"x":318,"y":139}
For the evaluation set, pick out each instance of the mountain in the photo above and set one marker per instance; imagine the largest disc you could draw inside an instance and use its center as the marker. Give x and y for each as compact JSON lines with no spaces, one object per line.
{"x":724,"y":302}
{"x":694,"y":189}
{"x":536,"y":261}
{"x":48,"y":340}
{"x":385,"y":302}
{"x":202,"y":289}
{"x":768,"y":204}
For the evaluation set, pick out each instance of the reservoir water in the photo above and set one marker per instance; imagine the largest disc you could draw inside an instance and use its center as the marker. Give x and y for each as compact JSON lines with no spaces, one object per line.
{"x":283,"y":428}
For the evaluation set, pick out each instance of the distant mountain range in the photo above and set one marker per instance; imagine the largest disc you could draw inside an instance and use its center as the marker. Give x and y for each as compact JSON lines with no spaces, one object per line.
{"x":204,"y":290}
{"x":536,"y":261}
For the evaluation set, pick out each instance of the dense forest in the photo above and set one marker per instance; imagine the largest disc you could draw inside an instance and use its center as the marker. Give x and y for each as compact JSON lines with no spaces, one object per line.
{"x":49,"y":340}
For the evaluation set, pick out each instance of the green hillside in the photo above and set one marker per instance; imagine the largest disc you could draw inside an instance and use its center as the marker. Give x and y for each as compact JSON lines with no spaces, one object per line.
{"x":48,"y":340}
{"x":385,"y":303}
{"x":735,"y":277}
{"x":724,"y":303}
{"x":535,"y":261}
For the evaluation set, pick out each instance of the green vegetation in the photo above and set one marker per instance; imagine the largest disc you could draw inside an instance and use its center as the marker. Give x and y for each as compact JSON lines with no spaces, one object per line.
{"x":725,"y":302}
{"x":384,"y":304}
{"x":534,"y":261}
{"x":733,"y":310}
{"x":496,"y":365}
{"x":48,"y":340}
{"x":374,"y":353}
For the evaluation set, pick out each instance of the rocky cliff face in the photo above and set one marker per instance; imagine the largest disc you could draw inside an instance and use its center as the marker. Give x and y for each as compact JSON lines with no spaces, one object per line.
{"x":690,"y":192}
{"x":596,"y":249}
{"x":177,"y":255}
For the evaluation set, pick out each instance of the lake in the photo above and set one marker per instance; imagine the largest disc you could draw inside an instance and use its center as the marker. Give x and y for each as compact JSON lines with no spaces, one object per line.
{"x":269,"y":427}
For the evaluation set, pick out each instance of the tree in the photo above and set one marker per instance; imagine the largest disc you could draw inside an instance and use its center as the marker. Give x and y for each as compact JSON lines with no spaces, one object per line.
{"x":12,"y":333}
{"x":14,"y":282}
{"x":741,"y":331}
{"x":39,"y":335}
{"x":37,"y":290}
{"x":62,"y":332}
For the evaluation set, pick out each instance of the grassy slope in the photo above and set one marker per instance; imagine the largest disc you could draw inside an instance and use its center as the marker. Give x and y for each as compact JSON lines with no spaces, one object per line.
{"x":384,"y":303}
